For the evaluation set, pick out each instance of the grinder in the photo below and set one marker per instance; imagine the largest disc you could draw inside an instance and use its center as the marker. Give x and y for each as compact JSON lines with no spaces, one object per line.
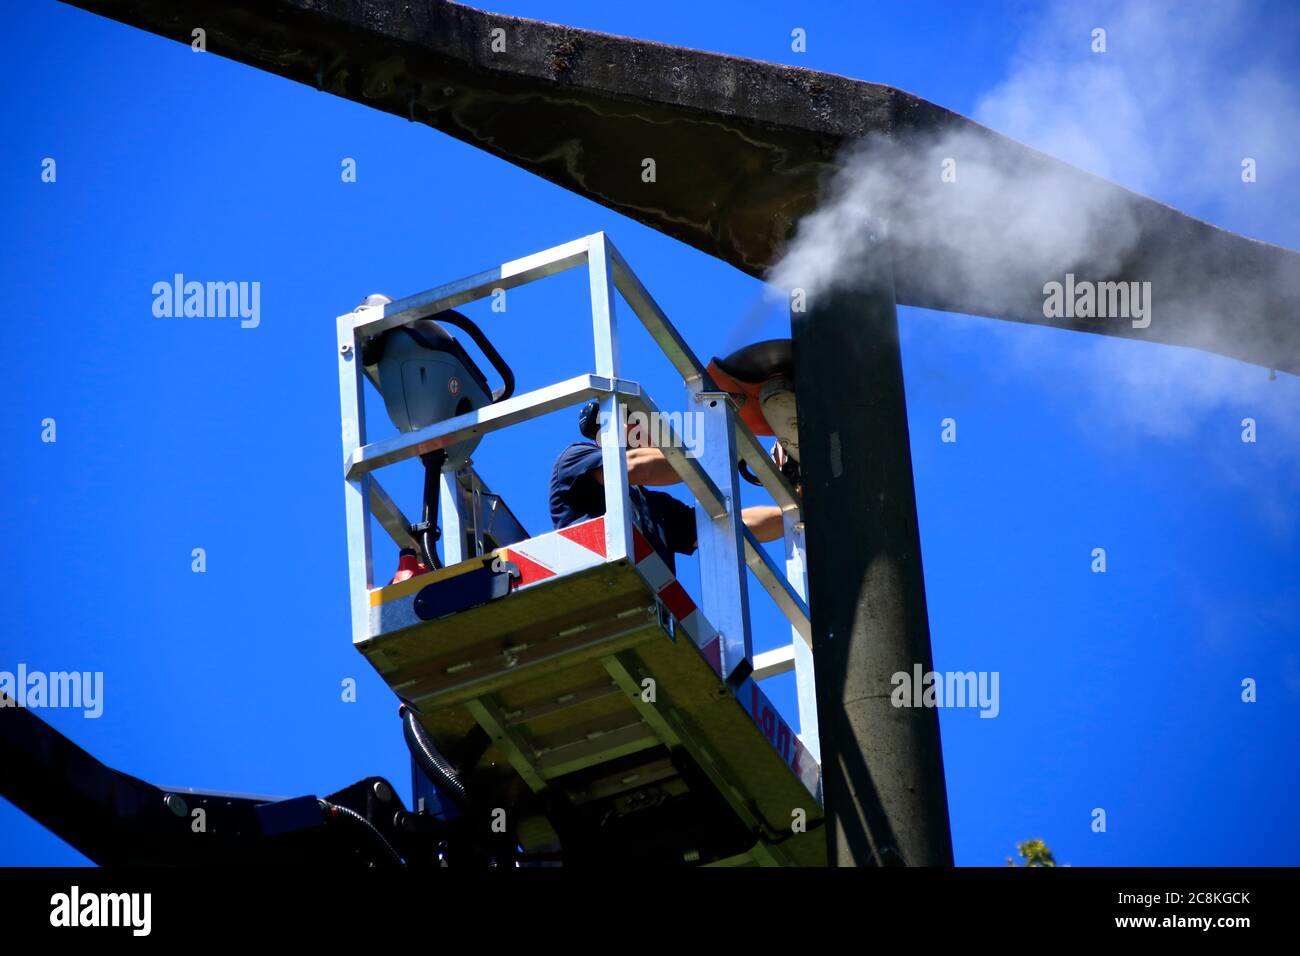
{"x":760,"y":377}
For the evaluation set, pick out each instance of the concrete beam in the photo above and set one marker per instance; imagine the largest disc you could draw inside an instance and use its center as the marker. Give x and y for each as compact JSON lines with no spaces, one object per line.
{"x":745,"y":149}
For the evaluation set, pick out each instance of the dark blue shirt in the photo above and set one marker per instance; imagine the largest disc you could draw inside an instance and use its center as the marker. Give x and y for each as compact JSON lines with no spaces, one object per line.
{"x":576,"y":495}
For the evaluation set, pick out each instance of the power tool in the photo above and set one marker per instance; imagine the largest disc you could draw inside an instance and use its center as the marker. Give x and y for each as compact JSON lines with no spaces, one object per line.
{"x":760,"y":378}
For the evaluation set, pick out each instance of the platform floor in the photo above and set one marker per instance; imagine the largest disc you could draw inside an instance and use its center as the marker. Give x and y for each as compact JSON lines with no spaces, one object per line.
{"x":581,"y":685}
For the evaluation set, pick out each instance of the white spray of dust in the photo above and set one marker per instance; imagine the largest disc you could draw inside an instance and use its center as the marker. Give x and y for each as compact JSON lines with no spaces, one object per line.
{"x":1181,"y":96}
{"x":994,"y":220}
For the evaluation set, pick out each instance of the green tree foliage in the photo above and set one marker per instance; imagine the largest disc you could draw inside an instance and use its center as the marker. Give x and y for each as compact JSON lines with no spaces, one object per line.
{"x":1034,"y":853}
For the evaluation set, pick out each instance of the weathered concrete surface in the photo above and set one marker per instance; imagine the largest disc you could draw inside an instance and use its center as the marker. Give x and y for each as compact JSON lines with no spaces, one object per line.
{"x":883,"y":780}
{"x":744,"y":149}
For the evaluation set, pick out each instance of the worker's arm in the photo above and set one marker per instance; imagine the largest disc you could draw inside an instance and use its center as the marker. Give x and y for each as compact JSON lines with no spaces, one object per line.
{"x":764,"y":522}
{"x":645,"y":466}
{"x":648,"y":466}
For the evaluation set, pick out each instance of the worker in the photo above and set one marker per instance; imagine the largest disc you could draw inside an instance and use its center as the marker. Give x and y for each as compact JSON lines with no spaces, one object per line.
{"x":578,"y":493}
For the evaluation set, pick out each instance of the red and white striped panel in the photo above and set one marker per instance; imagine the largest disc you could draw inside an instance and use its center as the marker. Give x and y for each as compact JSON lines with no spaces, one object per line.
{"x":689,"y":617}
{"x":582,"y":546}
{"x":570,"y":549}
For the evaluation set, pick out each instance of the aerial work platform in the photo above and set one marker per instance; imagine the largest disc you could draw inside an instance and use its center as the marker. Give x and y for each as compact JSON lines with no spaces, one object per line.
{"x":587,"y":676}
{"x":574,"y":680}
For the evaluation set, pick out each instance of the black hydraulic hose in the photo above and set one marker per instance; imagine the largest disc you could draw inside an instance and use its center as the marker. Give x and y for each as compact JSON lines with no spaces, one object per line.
{"x":507,"y":376}
{"x":336,"y":811}
{"x":748,"y":473}
{"x":433,"y":463}
{"x":435,"y":766}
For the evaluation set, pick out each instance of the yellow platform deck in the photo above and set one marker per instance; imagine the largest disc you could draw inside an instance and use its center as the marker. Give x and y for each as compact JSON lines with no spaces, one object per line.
{"x":585,"y":682}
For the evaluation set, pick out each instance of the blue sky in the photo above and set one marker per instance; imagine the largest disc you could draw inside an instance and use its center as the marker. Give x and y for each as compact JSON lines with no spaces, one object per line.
{"x":1118,"y":690}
